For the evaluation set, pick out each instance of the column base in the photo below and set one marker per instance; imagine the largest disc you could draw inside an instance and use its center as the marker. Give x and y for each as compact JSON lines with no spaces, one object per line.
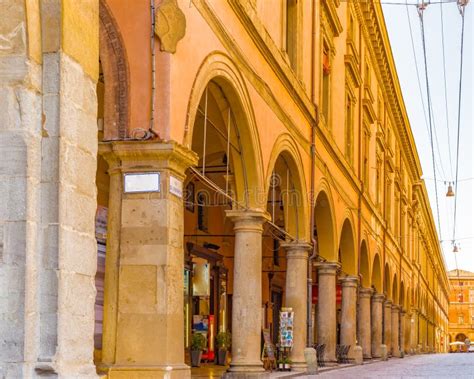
{"x":246,"y":374}
{"x":246,"y":368}
{"x":299,"y":366}
{"x":138,"y":372}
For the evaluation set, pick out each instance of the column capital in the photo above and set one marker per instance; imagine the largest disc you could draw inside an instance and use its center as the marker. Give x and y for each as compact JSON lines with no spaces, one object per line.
{"x":297,"y":249}
{"x":365,"y":292}
{"x":349,"y":281}
{"x":403,"y":312}
{"x":395,"y":308}
{"x":387,"y":303}
{"x":328,"y":268}
{"x":378,"y":297}
{"x":130,"y":156}
{"x":248,"y":220}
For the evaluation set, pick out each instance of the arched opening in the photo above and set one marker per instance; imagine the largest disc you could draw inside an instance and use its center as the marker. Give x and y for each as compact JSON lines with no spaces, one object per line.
{"x":402,"y":296}
{"x":324,"y":230}
{"x":347,"y":254}
{"x":387,"y":288}
{"x":364,"y":266}
{"x":285,"y":207}
{"x":221,"y":181}
{"x":376,"y":280}
{"x":395,"y":290}
{"x":323,"y":234}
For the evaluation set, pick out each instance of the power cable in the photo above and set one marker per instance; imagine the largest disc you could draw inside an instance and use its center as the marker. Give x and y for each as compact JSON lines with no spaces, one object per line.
{"x":462,"y":11}
{"x":419,"y":78}
{"x":446,"y":90}
{"x":420,"y":13}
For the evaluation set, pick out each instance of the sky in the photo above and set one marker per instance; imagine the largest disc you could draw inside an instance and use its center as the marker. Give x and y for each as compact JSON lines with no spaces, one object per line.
{"x":444,"y":127}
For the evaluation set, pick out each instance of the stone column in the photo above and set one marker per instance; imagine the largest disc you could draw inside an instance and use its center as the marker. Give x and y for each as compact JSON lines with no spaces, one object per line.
{"x":363,"y":323}
{"x":349,"y":311}
{"x":247,"y":296}
{"x":327,"y":309}
{"x":414,"y":332}
{"x":395,"y":331}
{"x":387,"y":324}
{"x":376,"y":324}
{"x":402,"y":330}
{"x":143,"y":300}
{"x":296,"y":290}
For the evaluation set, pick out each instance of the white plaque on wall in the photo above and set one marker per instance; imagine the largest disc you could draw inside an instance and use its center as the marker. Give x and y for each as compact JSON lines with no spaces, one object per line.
{"x":141,"y":182}
{"x":176,"y":187}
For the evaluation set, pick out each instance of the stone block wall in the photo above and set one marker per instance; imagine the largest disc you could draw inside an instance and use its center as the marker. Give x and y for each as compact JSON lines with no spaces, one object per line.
{"x":48,"y":152}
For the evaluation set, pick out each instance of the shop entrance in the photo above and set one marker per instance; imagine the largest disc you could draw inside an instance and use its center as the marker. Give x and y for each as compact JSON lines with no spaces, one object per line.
{"x":205,"y":296}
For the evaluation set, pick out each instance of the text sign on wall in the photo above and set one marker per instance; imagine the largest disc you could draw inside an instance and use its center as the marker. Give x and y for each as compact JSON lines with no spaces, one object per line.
{"x":141,"y":182}
{"x":176,"y":187}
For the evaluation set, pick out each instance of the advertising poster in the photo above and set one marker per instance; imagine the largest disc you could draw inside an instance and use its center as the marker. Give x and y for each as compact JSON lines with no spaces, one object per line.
{"x":286,"y":327}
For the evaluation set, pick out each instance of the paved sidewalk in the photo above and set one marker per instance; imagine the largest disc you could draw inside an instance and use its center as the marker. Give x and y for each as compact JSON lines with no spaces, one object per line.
{"x":456,"y":366}
{"x":459,"y":366}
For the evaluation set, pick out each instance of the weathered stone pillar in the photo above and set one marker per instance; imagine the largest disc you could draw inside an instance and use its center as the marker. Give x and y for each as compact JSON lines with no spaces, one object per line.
{"x":363,"y":324}
{"x":376,"y":324}
{"x":387,"y":324}
{"x":414,"y":331}
{"x":247,"y":296}
{"x":395,"y":331}
{"x":349,"y":312}
{"x":402,"y":330}
{"x":327,"y":308}
{"x":144,"y":270}
{"x":296,"y":290}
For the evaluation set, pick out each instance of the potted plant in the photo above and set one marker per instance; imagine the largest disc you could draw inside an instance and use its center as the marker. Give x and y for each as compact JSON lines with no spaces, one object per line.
{"x":223,"y":339}
{"x":198,"y":344}
{"x":287,"y":364}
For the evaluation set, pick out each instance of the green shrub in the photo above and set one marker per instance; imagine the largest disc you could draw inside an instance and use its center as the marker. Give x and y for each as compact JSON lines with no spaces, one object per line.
{"x":224,"y":339}
{"x":198,"y":342}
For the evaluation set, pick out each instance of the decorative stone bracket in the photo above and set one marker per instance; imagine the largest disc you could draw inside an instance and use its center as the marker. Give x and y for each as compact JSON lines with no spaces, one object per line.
{"x":170,"y":25}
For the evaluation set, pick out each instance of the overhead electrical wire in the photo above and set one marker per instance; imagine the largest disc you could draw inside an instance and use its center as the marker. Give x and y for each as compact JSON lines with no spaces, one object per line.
{"x":420,"y":13}
{"x":446,"y":91}
{"x":419,"y":82}
{"x":462,"y":11}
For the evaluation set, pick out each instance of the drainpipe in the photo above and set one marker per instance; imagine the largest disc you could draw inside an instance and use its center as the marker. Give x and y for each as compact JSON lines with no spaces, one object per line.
{"x":151,"y":132}
{"x":309,"y":319}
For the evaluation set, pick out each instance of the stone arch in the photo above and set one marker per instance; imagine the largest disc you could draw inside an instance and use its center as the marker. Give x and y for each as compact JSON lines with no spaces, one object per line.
{"x":115,"y":70}
{"x":364,"y":269}
{"x":220,"y":70}
{"x":376,"y":279}
{"x":324,"y":223}
{"x":347,"y":254}
{"x":286,"y":150}
{"x":387,"y":284}
{"x":402,"y":298}
{"x":395,"y":290}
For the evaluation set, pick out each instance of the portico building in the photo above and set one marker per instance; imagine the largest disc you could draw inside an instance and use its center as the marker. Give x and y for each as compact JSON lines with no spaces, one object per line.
{"x":196,"y":167}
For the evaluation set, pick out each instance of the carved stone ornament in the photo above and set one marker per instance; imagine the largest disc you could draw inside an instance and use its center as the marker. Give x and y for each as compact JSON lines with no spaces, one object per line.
{"x":170,"y":25}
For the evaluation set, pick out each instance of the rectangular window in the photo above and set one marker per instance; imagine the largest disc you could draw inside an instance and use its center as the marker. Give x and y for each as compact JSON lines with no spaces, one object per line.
{"x":202,"y":212}
{"x":471,"y":295}
{"x":378,"y":179}
{"x":365,"y":159}
{"x":367,"y":74}
{"x":397,"y":214}
{"x":326,"y":85}
{"x":276,"y":252}
{"x":351,"y":29}
{"x":388,"y":200}
{"x":291,"y":31}
{"x":348,"y":130}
